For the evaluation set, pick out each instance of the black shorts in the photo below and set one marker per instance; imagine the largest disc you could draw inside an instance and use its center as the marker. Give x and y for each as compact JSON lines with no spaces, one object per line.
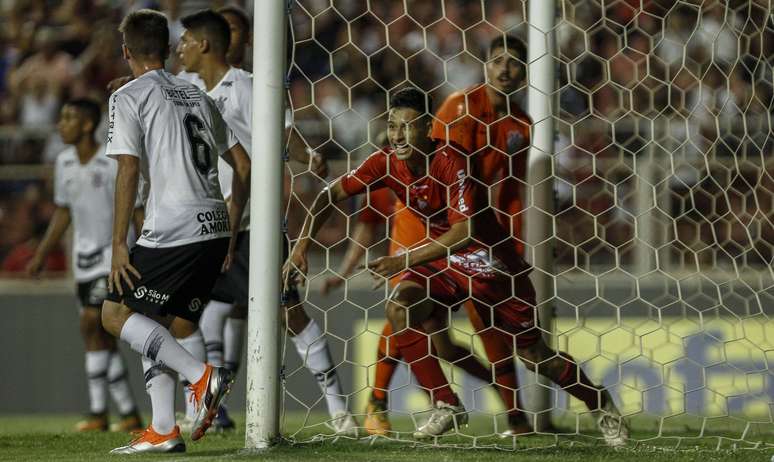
{"x":94,"y":292}
{"x":175,"y":280}
{"x":233,"y":286}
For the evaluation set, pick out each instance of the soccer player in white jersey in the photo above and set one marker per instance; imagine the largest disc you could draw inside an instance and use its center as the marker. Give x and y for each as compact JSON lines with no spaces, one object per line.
{"x":203,"y":51}
{"x":228,"y":305}
{"x":170,"y":133}
{"x":84,"y":181}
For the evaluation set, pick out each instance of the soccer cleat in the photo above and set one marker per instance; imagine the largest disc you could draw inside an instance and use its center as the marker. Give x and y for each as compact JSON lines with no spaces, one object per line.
{"x":610,"y":422}
{"x":344,"y":424}
{"x":129,"y":423}
{"x":377,"y":421}
{"x":150,"y":441}
{"x":223,"y":423}
{"x":93,"y":423}
{"x":444,"y":417}
{"x":208,"y":393}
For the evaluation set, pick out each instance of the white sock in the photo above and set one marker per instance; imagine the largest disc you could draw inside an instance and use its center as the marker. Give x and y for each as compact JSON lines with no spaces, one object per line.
{"x":96,"y":375}
{"x":193,"y":344}
{"x":233,"y":340}
{"x":212,"y":322}
{"x":153,"y":341}
{"x":118,"y":384}
{"x":313,"y":348}
{"x":160,"y":385}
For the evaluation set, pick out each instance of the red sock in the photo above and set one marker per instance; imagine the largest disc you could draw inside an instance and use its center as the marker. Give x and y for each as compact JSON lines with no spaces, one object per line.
{"x":385,"y":365}
{"x":499,"y":350}
{"x":575,"y":382}
{"x":415,"y":348}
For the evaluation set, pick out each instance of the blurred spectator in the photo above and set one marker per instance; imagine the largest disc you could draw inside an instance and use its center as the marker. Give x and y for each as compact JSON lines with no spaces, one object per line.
{"x":17,"y":259}
{"x":39,"y":83}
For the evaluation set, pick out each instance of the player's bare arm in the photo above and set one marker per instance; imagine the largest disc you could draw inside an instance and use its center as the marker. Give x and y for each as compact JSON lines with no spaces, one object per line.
{"x":126,"y":194}
{"x":56,"y":229}
{"x":363,"y":236}
{"x":316,"y":217}
{"x":301,"y":153}
{"x":458,"y":237}
{"x":238,"y":159}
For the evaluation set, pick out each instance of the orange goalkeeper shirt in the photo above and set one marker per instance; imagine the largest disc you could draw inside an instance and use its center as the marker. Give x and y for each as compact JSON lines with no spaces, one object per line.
{"x":498,"y":147}
{"x":406,"y":229}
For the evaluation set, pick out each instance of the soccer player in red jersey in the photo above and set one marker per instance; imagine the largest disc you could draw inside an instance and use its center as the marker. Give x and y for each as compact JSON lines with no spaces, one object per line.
{"x":482,"y":122}
{"x":407,"y":231}
{"x":465,"y":258}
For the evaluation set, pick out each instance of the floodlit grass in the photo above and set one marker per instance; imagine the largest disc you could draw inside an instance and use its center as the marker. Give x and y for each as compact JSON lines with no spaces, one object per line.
{"x":41,"y":437}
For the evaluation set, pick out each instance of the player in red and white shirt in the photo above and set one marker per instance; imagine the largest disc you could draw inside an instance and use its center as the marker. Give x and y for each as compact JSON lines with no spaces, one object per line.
{"x":466,"y":258}
{"x":167,"y":131}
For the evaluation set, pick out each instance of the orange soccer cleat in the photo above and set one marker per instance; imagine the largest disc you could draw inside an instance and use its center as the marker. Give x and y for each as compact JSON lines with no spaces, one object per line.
{"x":208,"y":393}
{"x":150,"y":441}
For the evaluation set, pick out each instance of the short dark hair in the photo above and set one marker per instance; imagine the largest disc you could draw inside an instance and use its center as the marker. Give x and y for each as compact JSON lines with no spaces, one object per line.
{"x":412,"y":98}
{"x":511,"y":44}
{"x":90,"y":108}
{"x":146,"y":33}
{"x":213,"y":26}
{"x":239,"y":13}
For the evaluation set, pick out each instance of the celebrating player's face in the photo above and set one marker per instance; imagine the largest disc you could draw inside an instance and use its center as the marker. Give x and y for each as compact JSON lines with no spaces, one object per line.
{"x":70,"y":124}
{"x":188,"y":51}
{"x":408,"y":132}
{"x":503,"y":71}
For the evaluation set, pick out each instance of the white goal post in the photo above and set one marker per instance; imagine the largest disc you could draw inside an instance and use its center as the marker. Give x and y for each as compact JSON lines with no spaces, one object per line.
{"x":263,"y":344}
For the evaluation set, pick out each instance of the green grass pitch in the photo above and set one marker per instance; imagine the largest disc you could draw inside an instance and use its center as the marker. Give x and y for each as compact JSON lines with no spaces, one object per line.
{"x":49,"y":438}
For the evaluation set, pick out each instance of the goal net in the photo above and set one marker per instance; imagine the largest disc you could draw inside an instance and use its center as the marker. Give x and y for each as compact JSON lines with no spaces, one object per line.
{"x":660,"y":231}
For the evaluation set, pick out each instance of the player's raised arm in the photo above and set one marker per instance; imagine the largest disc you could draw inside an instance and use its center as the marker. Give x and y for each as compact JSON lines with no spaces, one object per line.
{"x":369,"y":174}
{"x":363,"y":236}
{"x":316,"y":217}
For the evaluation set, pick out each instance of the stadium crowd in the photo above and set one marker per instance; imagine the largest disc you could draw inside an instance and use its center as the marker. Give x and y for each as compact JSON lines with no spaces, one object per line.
{"x":639,"y":80}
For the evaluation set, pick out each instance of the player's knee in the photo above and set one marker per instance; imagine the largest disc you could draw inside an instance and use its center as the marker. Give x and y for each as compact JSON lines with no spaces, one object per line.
{"x":114,"y":316}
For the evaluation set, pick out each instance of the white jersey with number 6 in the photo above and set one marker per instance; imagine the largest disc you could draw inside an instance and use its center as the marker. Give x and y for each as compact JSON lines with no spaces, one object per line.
{"x":178,"y":135}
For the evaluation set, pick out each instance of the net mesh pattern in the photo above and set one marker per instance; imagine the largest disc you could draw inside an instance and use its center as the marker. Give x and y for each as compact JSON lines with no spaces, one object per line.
{"x":661,"y":285}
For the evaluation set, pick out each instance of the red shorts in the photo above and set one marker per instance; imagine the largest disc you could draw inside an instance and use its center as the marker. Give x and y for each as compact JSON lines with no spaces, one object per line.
{"x":503,"y":302}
